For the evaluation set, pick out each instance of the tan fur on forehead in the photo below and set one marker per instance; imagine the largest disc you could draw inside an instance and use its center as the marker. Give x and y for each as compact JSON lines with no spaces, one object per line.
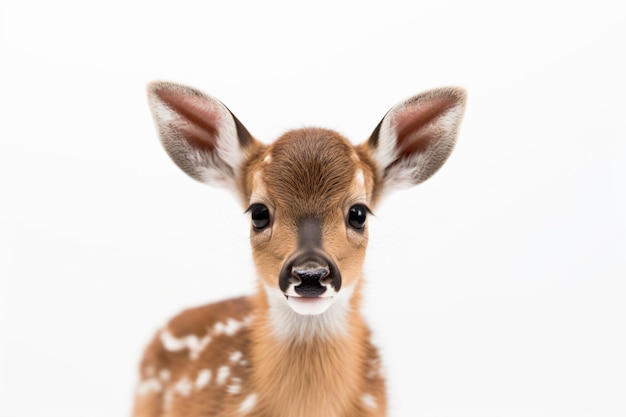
{"x":310,"y":171}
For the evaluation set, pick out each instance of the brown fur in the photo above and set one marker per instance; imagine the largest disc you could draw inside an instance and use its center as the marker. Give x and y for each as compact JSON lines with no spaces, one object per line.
{"x":311,"y":173}
{"x":316,"y":378}
{"x":232,"y":358}
{"x":329,"y":380}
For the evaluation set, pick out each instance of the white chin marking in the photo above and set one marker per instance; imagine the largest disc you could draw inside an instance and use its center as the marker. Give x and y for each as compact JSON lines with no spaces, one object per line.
{"x":326,"y":317}
{"x":309,"y":306}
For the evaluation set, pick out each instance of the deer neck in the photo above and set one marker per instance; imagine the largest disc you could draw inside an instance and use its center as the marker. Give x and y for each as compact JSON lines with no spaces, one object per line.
{"x":311,"y":362}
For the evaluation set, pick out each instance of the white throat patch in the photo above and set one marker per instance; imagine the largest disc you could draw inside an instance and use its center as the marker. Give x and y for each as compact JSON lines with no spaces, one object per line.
{"x":331,"y":320}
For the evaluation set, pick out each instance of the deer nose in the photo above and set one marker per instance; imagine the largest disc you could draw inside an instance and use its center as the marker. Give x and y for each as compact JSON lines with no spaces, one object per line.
{"x":311,"y":277}
{"x":309,"y":274}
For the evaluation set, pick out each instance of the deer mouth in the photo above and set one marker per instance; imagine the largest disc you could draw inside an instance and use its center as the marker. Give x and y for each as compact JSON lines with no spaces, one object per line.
{"x":309,"y":305}
{"x":306,"y":298}
{"x":309,"y":302}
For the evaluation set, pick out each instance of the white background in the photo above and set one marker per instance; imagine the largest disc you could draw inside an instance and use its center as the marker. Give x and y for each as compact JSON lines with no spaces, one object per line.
{"x":494,"y":289}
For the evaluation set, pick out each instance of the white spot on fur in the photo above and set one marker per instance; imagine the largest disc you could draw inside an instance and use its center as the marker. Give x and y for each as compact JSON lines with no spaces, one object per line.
{"x":194,"y":353}
{"x":235,"y":356}
{"x":147,"y":386}
{"x":164,"y":375}
{"x":235,"y":386}
{"x":229,"y":328}
{"x":369,"y":401}
{"x":218,"y":328}
{"x":154,"y":383}
{"x":233,"y":326}
{"x":184,"y":386}
{"x":203,"y":379}
{"x":171,"y":343}
{"x":222,"y":375}
{"x":288,"y":324}
{"x":267,"y":159}
{"x":193,"y":343}
{"x":247,"y":404}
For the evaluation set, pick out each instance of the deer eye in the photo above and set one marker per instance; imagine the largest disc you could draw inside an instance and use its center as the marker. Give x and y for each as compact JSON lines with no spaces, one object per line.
{"x":260,"y":216}
{"x":357,"y":216}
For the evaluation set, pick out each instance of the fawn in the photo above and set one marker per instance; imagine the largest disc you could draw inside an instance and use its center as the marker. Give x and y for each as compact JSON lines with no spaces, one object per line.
{"x":299,"y":347}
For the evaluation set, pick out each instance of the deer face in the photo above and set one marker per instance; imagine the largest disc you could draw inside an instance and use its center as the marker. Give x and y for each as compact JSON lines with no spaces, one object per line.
{"x":308,"y":194}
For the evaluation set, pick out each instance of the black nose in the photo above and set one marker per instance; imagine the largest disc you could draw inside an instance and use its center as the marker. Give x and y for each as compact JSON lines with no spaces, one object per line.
{"x":310,"y":273}
{"x":311,"y":276}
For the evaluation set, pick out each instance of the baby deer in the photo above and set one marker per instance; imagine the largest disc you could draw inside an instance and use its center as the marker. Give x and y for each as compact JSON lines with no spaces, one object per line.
{"x":299,"y":347}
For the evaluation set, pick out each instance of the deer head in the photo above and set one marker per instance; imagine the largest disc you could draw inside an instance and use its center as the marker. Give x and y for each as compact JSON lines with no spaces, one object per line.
{"x":308,"y":194}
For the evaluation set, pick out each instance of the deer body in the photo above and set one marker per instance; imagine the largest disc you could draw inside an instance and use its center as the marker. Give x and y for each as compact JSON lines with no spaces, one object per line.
{"x":299,"y":347}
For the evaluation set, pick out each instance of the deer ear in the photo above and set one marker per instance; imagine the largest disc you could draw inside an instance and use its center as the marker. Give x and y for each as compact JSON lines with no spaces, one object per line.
{"x":416,"y":137}
{"x":199,"y":133}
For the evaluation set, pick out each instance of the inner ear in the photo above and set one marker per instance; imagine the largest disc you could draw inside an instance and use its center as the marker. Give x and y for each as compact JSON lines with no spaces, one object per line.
{"x":416,"y":137}
{"x":199,"y":122}
{"x":416,"y":127}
